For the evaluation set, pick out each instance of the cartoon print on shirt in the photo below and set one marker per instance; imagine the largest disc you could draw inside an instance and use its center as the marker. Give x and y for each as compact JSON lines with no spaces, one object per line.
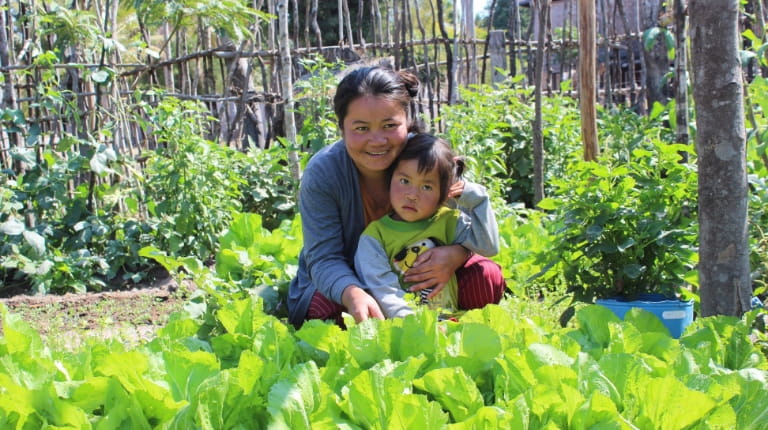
{"x":403,"y":260}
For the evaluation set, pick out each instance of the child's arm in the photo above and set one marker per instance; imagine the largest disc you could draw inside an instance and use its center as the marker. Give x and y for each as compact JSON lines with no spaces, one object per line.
{"x":476,"y":229}
{"x":373,"y":268}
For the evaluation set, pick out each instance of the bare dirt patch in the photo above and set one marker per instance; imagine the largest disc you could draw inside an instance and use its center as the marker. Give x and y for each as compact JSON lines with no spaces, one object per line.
{"x":131,"y":316}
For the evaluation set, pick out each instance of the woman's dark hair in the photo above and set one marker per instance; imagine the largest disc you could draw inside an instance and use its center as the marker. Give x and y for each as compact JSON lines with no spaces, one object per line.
{"x":432,"y":152}
{"x":401,"y":86}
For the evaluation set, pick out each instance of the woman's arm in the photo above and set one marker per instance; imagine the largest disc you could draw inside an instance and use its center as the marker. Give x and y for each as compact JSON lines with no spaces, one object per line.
{"x":324,"y":218}
{"x":476,"y":228}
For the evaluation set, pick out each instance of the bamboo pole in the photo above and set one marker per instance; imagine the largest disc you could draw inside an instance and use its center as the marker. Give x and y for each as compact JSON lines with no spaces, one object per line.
{"x":287,"y":84}
{"x":538,"y":138}
{"x":587,"y":61}
{"x":681,"y":74}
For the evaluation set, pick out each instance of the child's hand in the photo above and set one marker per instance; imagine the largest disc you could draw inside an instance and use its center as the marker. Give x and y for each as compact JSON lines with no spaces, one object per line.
{"x":434,"y":268}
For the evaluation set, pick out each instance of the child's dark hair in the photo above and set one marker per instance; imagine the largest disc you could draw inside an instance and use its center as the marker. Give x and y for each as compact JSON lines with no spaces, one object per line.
{"x":432,"y":152}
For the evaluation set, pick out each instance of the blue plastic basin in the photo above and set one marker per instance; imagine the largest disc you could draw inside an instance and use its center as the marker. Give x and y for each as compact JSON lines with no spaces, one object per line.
{"x":675,"y":314}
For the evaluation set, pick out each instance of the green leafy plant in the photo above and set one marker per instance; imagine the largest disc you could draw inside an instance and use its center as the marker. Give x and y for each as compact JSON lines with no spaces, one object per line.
{"x":194,"y":184}
{"x":491,"y":127}
{"x":623,"y":229}
{"x":757,"y":168}
{"x":269,"y":188}
{"x":314,"y":103}
{"x":524,"y":235}
{"x":56,"y":225}
{"x":261,"y":260}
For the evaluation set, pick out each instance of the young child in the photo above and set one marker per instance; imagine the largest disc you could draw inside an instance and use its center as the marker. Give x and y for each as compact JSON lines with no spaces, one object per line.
{"x":421,"y":177}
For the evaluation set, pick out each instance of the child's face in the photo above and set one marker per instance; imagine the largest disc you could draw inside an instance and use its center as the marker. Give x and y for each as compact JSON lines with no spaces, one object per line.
{"x":414,"y":196}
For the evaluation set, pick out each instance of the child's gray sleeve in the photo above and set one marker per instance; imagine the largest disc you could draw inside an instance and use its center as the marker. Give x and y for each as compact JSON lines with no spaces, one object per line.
{"x":379,"y":279}
{"x":477,"y":229}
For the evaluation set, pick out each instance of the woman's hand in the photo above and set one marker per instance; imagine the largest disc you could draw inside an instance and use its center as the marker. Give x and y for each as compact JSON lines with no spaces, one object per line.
{"x":456,"y":189}
{"x":434,"y":268}
{"x":360,"y":304}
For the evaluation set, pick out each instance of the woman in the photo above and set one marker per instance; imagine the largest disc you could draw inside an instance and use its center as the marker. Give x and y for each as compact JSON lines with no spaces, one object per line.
{"x":344,"y":187}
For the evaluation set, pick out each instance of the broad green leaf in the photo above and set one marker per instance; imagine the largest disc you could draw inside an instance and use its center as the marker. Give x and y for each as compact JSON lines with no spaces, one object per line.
{"x":622,"y":370}
{"x":543,"y":355}
{"x":598,"y":412}
{"x":369,"y":342}
{"x":749,"y":404}
{"x":369,"y":397}
{"x":186,"y":370}
{"x":593,"y":379}
{"x":454,"y":389}
{"x":548,"y":203}
{"x":413,"y":411}
{"x":655,"y":395}
{"x":645,"y":321}
{"x":479,"y":347}
{"x":292,"y":400}
{"x":418,"y":335}
{"x":513,"y":375}
{"x":12,"y":227}
{"x":36,"y":241}
{"x":19,"y":337}
{"x":494,"y":417}
{"x":320,"y":335}
{"x":152,"y":399}
{"x":593,"y":323}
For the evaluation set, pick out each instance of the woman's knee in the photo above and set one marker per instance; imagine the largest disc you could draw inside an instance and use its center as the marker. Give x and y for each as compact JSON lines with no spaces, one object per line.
{"x":481,"y":282}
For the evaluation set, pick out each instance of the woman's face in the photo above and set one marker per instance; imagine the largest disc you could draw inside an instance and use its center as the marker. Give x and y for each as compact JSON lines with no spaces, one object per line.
{"x":374,"y":131}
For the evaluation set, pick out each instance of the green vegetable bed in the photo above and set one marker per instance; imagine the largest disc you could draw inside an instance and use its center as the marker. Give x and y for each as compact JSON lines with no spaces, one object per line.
{"x":492,"y":369}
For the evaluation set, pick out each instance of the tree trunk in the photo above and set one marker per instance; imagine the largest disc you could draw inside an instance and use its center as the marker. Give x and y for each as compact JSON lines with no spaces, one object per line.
{"x":721,"y":146}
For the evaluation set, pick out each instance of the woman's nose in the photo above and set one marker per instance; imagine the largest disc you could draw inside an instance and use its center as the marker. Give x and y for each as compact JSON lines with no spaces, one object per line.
{"x":379,"y":137}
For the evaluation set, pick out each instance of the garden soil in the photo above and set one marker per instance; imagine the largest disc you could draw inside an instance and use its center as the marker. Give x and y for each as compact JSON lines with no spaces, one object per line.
{"x":131,"y":316}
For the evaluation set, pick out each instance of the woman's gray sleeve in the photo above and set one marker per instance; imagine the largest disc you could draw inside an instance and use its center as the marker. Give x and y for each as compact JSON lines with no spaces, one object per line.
{"x":477,"y":229}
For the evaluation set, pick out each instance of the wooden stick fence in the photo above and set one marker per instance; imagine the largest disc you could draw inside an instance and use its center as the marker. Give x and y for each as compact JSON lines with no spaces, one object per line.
{"x":243,"y":82}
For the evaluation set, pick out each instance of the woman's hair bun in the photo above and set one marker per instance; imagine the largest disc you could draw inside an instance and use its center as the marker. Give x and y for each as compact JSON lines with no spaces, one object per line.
{"x":410,"y":82}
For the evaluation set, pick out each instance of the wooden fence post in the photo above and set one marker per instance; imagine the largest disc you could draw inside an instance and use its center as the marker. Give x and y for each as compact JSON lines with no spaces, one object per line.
{"x":497,"y":44}
{"x":587,"y":69}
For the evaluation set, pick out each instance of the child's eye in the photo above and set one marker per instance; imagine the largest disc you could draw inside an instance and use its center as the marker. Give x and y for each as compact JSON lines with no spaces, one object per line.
{"x":427,"y":187}
{"x":404,"y":181}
